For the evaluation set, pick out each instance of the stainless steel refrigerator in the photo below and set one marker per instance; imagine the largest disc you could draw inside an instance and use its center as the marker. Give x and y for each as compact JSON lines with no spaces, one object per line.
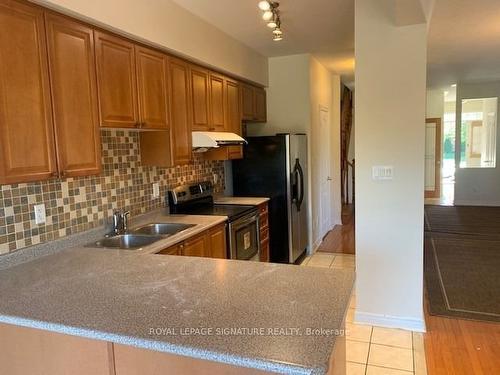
{"x":276,"y":167}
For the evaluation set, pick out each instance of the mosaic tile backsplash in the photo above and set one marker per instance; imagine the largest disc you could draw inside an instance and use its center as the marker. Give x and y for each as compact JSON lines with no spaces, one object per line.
{"x":78,"y":204}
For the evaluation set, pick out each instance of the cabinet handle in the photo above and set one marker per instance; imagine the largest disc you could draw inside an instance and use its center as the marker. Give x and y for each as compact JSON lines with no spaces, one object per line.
{"x":137,"y":124}
{"x":62,"y":174}
{"x":55,"y":174}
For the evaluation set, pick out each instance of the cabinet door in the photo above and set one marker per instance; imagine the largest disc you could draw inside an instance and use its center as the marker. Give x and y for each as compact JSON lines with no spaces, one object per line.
{"x":197,"y":246}
{"x":247,"y":99}
{"x":217,"y":103}
{"x":217,"y":238}
{"x":74,"y":96}
{"x":116,"y":81}
{"x":233,"y":116}
{"x":260,"y":104}
{"x":26,"y":129}
{"x":28,"y":351}
{"x":199,"y":79}
{"x":172,"y":250}
{"x":152,"y":88}
{"x":179,"y":103}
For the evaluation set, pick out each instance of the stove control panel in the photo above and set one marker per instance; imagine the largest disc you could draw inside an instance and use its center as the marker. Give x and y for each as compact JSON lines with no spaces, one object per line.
{"x":186,"y":193}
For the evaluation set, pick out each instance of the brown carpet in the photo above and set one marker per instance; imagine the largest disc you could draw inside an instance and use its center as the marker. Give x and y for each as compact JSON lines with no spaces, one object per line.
{"x":469,"y":220}
{"x":462,"y":265}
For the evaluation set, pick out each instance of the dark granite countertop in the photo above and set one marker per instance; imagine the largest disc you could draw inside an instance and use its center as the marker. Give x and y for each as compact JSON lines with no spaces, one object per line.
{"x":254,"y":314}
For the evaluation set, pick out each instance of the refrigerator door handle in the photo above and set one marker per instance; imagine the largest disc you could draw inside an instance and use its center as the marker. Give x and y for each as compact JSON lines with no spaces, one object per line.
{"x":301,"y":174}
{"x":298,"y":185}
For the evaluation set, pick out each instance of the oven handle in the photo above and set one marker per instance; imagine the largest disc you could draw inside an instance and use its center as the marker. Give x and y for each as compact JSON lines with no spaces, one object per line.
{"x":244,"y":221}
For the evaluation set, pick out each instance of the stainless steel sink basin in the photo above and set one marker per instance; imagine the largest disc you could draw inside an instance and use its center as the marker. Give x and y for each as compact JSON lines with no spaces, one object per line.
{"x":165,"y":229}
{"x":126,"y":241}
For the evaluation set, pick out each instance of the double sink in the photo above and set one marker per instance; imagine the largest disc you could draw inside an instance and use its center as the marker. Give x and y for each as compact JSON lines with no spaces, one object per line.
{"x":142,"y":236}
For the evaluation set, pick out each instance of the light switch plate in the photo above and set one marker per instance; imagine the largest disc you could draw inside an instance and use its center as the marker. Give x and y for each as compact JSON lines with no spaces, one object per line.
{"x":156,"y":190}
{"x":39,"y":210}
{"x":382,"y":172}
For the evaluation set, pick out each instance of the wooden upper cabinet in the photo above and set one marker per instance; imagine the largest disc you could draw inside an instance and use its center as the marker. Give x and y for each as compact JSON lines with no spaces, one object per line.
{"x":248,"y":100}
{"x":116,"y":81}
{"x":254,"y":105}
{"x":26,"y":130}
{"x":74,"y":96}
{"x":217,"y":102}
{"x":152,"y":88}
{"x":199,"y":80}
{"x":180,"y":111}
{"x":233,"y":116}
{"x":260,"y":104}
{"x":232,"y":121}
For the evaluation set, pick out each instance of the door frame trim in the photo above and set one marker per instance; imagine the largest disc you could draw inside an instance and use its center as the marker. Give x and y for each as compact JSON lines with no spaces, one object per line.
{"x":436,"y":193}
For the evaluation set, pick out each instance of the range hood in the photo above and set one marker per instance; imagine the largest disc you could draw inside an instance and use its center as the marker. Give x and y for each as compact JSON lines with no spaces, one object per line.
{"x":202,"y":141}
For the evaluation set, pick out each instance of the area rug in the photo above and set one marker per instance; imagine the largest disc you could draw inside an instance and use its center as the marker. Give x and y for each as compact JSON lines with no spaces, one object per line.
{"x":467,"y":220}
{"x":462,"y":276}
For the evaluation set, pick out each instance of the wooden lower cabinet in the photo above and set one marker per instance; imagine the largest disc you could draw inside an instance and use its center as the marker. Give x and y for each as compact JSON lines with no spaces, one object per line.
{"x":134,"y":361}
{"x":28,"y":351}
{"x":264,"y":232}
{"x":217,"y":240}
{"x":197,"y":246}
{"x":172,"y":250}
{"x":211,"y":243}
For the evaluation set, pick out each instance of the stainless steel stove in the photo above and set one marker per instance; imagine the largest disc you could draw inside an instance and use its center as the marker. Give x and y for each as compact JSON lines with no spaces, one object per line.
{"x":243,"y":221}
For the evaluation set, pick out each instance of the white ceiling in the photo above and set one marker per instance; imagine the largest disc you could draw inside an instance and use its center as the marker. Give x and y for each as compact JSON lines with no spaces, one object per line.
{"x":464,"y":41}
{"x":324,"y":28}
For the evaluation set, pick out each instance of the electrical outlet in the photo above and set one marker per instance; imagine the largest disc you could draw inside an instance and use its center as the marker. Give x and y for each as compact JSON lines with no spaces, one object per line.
{"x":156,"y":190}
{"x":39,"y":210}
{"x":216,"y":178}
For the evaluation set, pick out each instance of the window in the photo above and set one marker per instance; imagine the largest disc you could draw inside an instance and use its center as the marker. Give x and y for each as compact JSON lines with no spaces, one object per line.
{"x":478,"y":133}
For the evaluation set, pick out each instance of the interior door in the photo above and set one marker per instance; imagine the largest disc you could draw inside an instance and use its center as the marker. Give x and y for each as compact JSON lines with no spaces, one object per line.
{"x":433,"y":158}
{"x":325,"y":190}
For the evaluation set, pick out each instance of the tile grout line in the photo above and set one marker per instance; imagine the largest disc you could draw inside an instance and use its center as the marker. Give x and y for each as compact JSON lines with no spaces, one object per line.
{"x":369,"y":347}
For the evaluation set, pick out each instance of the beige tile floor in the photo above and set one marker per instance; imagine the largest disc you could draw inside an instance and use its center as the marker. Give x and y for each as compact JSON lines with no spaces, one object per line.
{"x":374,"y":350}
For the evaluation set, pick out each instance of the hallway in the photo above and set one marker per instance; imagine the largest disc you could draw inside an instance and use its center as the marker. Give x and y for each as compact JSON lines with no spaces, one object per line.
{"x":341,"y":239}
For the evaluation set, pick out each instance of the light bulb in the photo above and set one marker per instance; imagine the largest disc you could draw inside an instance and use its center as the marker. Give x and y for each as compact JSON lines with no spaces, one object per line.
{"x":277,"y":31}
{"x":267,"y":15}
{"x":272,"y":24}
{"x":277,"y":38}
{"x":264,"y":5}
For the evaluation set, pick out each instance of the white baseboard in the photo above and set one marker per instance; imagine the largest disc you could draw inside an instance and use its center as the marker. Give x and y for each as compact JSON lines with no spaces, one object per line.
{"x":410,"y":324}
{"x":465,"y":202}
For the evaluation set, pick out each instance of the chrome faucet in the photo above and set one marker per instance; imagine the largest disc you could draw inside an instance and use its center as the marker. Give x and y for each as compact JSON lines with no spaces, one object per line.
{"x":120,"y":222}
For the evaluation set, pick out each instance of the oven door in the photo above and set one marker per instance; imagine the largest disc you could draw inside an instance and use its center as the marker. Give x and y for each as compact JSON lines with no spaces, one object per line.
{"x":244,"y":241}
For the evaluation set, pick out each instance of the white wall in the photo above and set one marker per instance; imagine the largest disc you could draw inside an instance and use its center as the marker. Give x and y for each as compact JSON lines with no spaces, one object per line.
{"x":288,"y":97}
{"x":298,"y":86}
{"x":166,"y":24}
{"x":435,"y":103}
{"x":478,"y":186}
{"x":390,"y":113}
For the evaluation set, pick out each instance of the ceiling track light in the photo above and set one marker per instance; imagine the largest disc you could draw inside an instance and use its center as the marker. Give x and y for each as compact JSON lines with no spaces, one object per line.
{"x":271,"y":15}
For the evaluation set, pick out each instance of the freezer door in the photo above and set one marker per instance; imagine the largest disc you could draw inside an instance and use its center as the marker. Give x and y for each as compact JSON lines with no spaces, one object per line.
{"x":299,"y":202}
